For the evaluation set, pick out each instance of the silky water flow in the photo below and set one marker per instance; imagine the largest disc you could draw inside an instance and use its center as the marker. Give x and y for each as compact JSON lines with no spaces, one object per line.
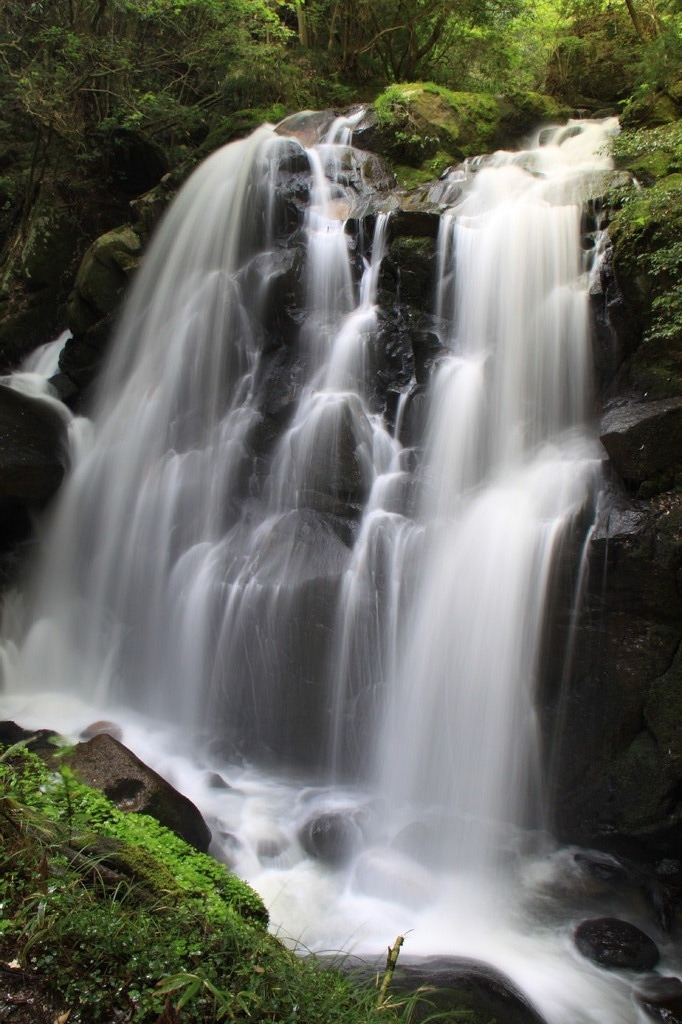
{"x":201,"y":566}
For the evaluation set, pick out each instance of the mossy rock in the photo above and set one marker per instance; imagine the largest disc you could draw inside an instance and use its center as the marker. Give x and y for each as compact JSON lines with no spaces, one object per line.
{"x":524,"y":111}
{"x":51,"y":240}
{"x":650,"y":110}
{"x":423,"y":128}
{"x":417,"y":120}
{"x":102,"y":277}
{"x":635,"y":789}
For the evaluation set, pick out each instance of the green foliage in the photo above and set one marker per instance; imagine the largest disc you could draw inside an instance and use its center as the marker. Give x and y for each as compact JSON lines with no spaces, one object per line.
{"x":155,"y":65}
{"x":646,"y":230}
{"x":119,"y":920}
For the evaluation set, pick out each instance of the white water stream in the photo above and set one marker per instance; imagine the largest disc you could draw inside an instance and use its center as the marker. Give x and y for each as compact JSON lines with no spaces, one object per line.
{"x":212,"y":597}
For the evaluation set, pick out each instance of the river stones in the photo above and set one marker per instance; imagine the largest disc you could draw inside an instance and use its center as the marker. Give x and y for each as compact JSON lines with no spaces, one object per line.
{"x":332,"y":837}
{"x":661,"y":998}
{"x":611,"y":942}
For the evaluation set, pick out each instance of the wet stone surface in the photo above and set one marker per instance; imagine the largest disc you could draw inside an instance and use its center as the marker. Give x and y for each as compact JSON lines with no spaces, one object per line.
{"x":613,"y":943}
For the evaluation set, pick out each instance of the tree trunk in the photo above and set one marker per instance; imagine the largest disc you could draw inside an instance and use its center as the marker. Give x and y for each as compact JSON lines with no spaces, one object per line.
{"x":642,"y":30}
{"x":303,"y":36}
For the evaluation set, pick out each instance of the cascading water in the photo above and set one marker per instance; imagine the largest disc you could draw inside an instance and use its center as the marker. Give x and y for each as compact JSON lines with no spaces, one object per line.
{"x":244,"y":547}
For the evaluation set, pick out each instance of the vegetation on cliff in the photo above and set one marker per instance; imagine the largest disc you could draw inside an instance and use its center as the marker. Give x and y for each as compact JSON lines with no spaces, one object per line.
{"x":646,"y":231}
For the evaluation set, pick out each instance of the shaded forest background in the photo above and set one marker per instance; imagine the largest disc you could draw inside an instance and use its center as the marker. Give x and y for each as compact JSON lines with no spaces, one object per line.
{"x":102,"y":87}
{"x":100,"y":99}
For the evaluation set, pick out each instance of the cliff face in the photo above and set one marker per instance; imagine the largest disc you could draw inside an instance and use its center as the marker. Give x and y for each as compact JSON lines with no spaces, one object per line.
{"x":611,"y":687}
{"x":618,"y":720}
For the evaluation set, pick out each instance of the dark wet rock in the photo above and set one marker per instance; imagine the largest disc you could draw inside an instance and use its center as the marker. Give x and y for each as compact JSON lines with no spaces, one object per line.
{"x":408,"y":271}
{"x":215,"y":781}
{"x":643,"y":439}
{"x":661,"y":998}
{"x":106,"y":764}
{"x":269,"y":850}
{"x":453,"y":983}
{"x":414,"y":223}
{"x":603,"y":867}
{"x":80,"y":362}
{"x":616,"y":331}
{"x":32,"y":448}
{"x":663,"y":889}
{"x":32,"y":460}
{"x":102,"y":728}
{"x":618,"y":767}
{"x":332,"y":837}
{"x":611,"y":942}
{"x":277,"y":277}
{"x":41,"y":741}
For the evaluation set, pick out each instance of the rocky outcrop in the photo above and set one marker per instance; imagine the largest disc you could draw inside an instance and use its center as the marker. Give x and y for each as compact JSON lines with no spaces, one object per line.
{"x":131,"y":785}
{"x":644,"y":441}
{"x":425,"y":127}
{"x":615,"y":719}
{"x":32,"y":460}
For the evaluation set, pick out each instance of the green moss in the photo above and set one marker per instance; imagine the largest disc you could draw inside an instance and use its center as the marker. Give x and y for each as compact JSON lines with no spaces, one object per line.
{"x":410,"y":177}
{"x":650,"y":110}
{"x":181,"y":931}
{"x":646,"y":231}
{"x":426,"y":127}
{"x":421,"y":120}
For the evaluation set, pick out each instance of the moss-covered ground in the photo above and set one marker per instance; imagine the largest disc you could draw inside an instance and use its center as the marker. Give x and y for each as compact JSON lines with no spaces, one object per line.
{"x":107,"y":917}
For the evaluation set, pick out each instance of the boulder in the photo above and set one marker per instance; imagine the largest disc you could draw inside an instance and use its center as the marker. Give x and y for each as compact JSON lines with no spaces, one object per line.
{"x":661,"y":998}
{"x":131,"y":785}
{"x":32,"y":448}
{"x":643,"y":439}
{"x":442,"y":985}
{"x":101,"y":727}
{"x":332,"y":837}
{"x":611,"y":942}
{"x":102,"y":277}
{"x":32,"y":460}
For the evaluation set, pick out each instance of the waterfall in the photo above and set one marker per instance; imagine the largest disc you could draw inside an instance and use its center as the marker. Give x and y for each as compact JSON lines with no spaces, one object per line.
{"x":343,"y":613}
